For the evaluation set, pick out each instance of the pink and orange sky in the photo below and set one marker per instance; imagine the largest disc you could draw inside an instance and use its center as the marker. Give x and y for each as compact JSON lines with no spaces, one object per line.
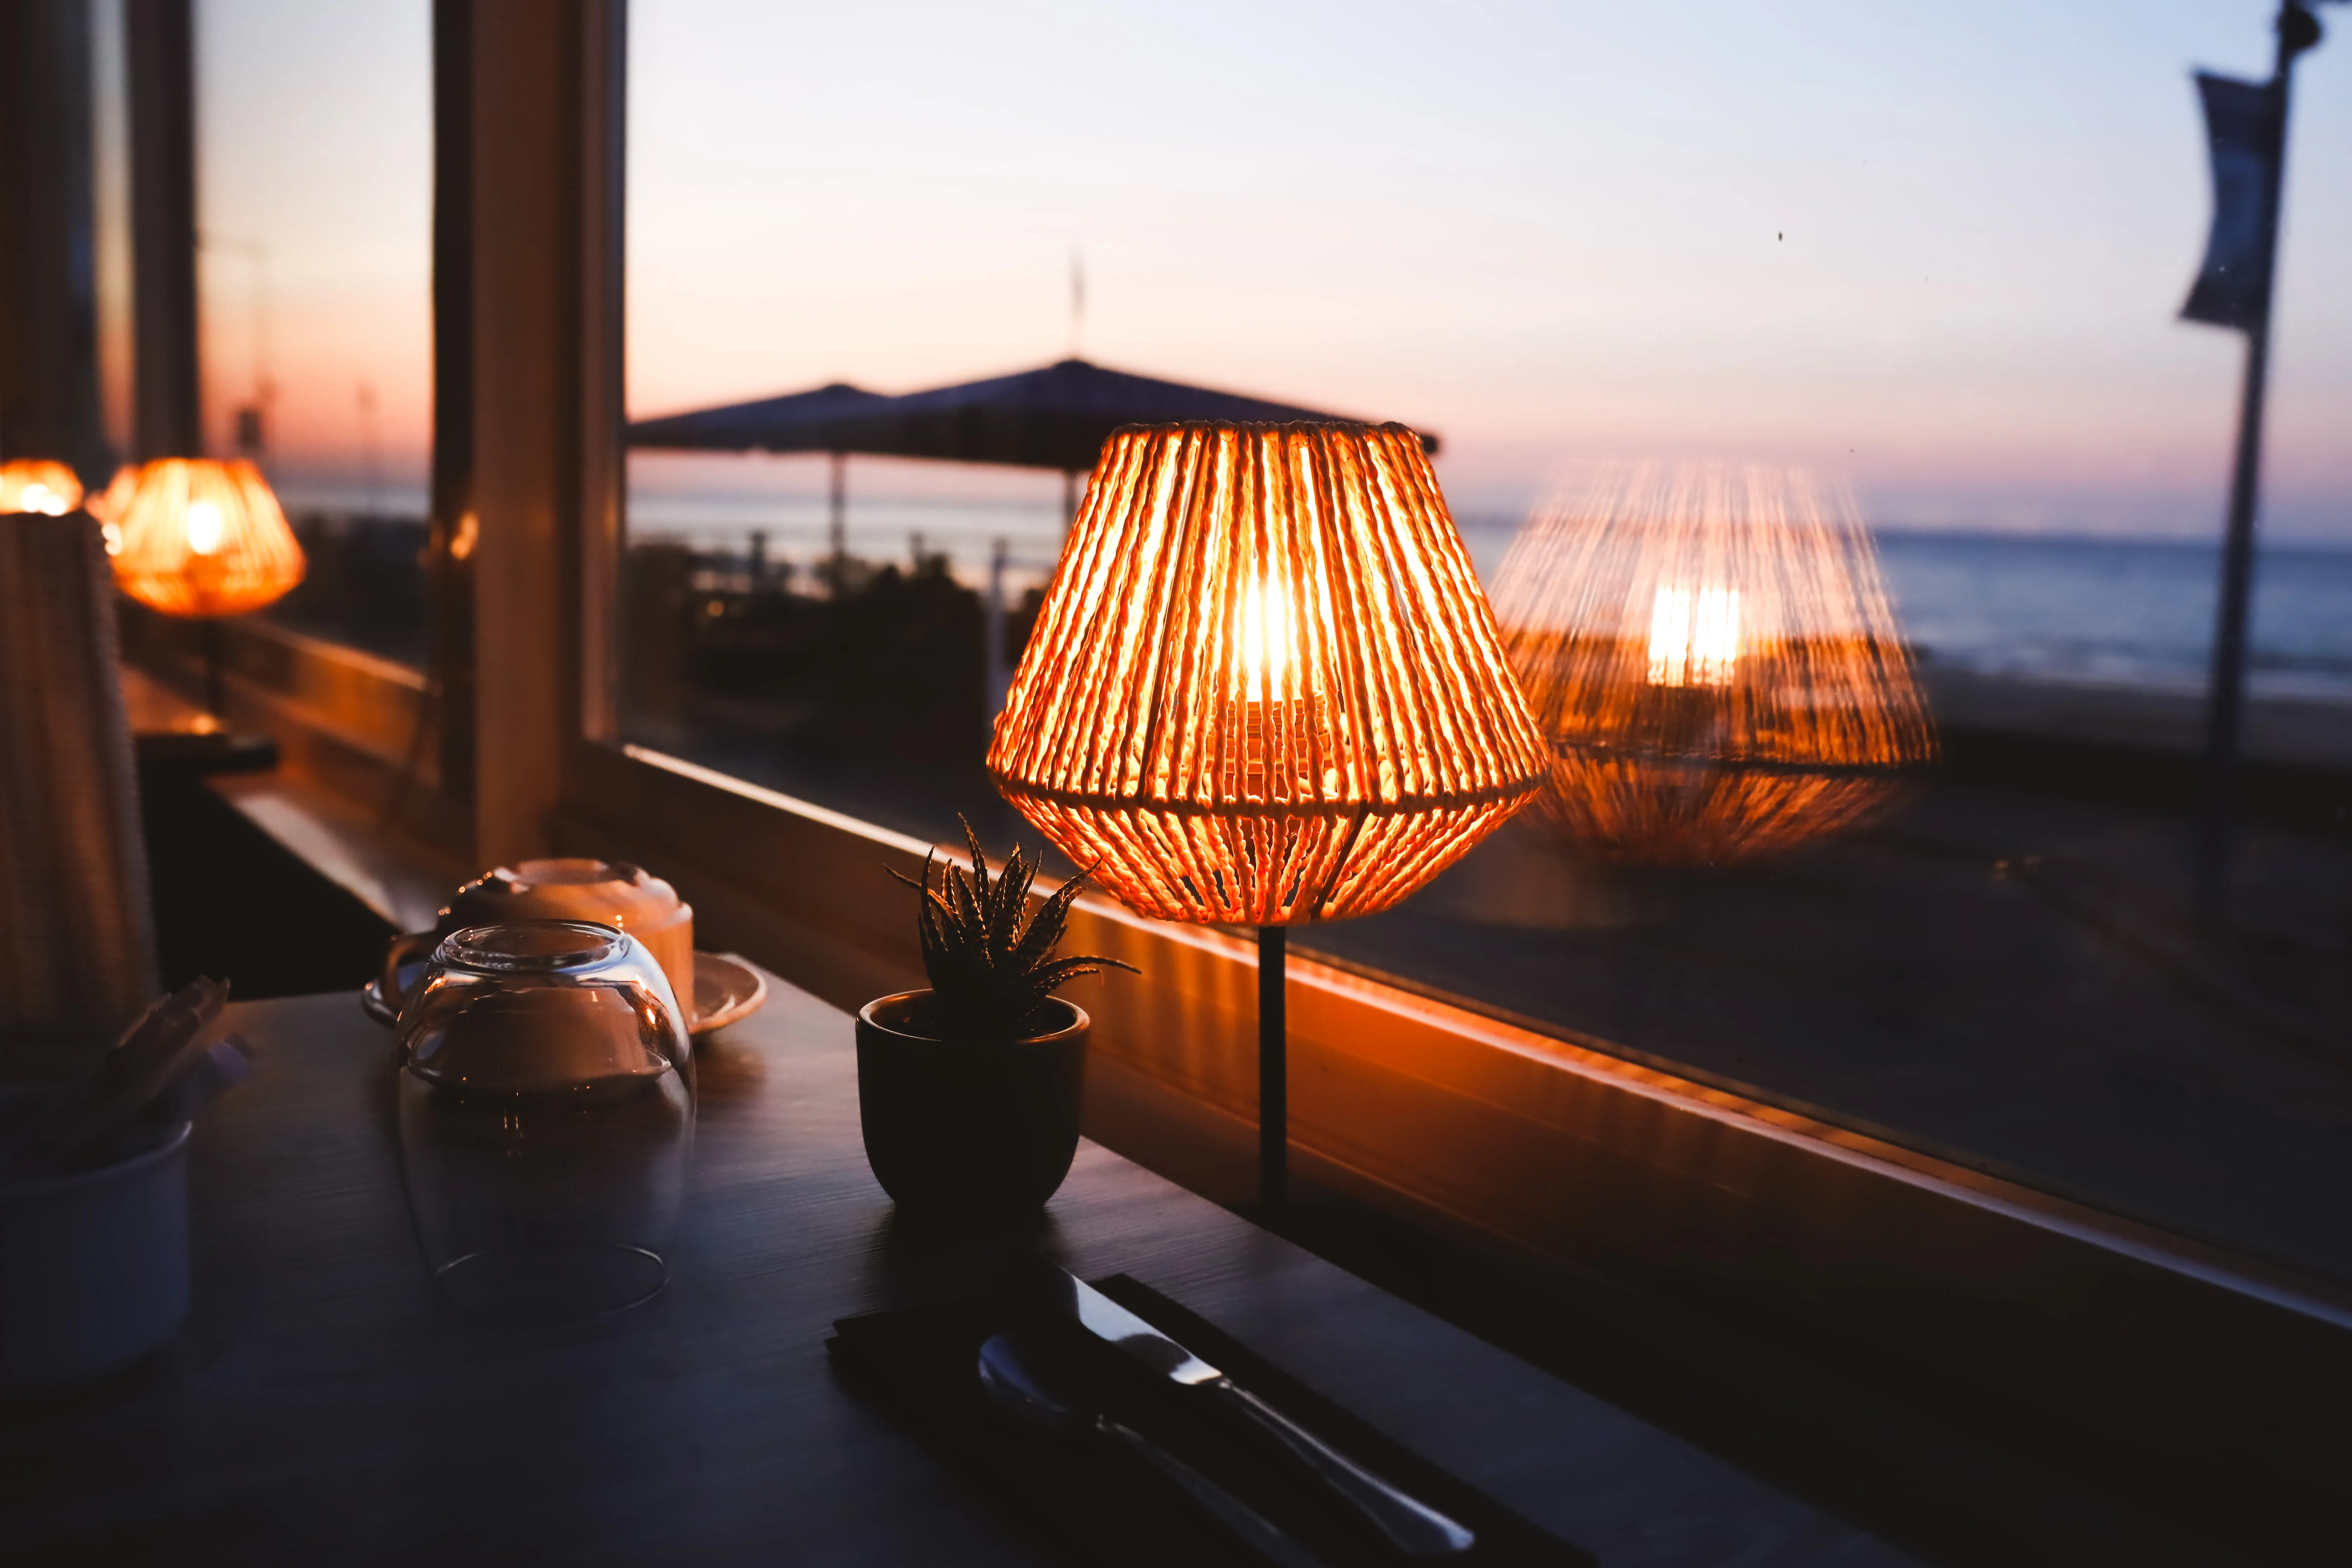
{"x":1938,"y":250}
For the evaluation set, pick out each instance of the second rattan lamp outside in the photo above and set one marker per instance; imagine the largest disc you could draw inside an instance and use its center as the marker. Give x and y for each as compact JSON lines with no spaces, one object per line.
{"x":1265,"y":688}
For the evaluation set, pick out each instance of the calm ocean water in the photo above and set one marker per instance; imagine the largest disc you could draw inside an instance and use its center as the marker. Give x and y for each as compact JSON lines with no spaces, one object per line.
{"x":2124,"y":611}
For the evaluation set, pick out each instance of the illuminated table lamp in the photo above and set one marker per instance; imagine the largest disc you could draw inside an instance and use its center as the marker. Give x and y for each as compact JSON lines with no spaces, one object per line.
{"x":202,"y":538}
{"x":1265,"y":688}
{"x":38,"y":485}
{"x":1713,"y":659}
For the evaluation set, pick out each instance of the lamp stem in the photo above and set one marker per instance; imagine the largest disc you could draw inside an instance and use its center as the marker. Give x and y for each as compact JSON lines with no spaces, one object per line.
{"x":1272,"y":1075}
{"x":213,"y":702}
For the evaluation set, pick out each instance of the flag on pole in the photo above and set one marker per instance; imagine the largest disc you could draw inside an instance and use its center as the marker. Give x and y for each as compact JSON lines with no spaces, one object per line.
{"x":2242,"y":121}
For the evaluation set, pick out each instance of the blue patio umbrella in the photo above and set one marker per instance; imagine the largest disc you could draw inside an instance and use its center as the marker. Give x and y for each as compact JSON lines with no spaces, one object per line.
{"x":1057,"y":416}
{"x":812,"y":421}
{"x":823,"y":419}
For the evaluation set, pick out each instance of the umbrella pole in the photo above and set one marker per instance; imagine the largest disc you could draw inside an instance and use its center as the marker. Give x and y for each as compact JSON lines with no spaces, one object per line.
{"x":838,"y":522}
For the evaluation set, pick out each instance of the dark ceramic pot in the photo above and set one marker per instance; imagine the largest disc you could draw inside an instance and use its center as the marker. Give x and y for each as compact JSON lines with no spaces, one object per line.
{"x":968,"y":1127}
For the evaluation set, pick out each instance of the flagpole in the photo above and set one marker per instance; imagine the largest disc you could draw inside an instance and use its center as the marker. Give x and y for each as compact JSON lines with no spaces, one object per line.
{"x":2225,"y":696}
{"x":2225,"y":702}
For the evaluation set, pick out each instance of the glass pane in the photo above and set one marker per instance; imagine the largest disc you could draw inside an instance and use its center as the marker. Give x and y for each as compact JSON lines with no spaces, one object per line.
{"x":1934,"y":261}
{"x":314,"y":213}
{"x":859,"y":680}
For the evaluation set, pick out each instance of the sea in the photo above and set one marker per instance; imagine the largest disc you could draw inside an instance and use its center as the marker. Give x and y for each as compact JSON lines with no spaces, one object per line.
{"x":2093,"y":611}
{"x":2132,"y":613}
{"x":2100,"y":611}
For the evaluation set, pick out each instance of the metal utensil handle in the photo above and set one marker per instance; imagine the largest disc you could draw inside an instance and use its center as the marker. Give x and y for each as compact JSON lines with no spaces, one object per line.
{"x":1237,"y":1516}
{"x":1412,"y":1526}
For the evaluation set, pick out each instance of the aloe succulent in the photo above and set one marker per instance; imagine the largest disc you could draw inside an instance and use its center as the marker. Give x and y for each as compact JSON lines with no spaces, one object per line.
{"x":990,"y":957}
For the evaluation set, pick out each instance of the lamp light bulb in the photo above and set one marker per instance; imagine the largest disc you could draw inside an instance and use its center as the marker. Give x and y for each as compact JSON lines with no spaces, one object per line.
{"x":204,"y":526}
{"x":1266,"y":642}
{"x":39,"y":497}
{"x":1694,"y":637}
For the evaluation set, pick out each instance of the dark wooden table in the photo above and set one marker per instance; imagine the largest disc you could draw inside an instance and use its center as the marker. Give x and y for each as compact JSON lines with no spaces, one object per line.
{"x":319,"y":1408}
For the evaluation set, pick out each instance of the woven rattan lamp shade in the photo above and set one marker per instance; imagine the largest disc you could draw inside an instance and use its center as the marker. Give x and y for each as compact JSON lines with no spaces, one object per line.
{"x":38,"y":485}
{"x":1264,"y":686}
{"x":1710,"y":653}
{"x":204,"y":538}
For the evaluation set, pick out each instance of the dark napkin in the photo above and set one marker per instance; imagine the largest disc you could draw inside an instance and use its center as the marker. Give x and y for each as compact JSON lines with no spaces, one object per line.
{"x":1096,"y":1502}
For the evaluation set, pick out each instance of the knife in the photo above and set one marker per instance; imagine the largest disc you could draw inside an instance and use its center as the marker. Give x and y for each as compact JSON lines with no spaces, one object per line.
{"x":1410,"y":1525}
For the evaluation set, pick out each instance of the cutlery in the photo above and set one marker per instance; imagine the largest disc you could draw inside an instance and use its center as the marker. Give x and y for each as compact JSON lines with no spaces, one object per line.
{"x":154,"y":1058}
{"x":1021,"y":1383}
{"x":1412,"y":1526}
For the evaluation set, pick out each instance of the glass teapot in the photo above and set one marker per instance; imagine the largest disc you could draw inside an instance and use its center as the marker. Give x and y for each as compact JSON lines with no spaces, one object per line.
{"x":546,"y":1104}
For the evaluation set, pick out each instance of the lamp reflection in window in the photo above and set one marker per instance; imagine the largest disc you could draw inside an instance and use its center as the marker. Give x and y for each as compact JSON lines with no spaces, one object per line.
{"x":1713,"y":659}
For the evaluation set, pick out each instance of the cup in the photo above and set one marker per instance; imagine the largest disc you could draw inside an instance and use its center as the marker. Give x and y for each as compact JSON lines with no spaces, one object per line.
{"x":546,"y":1108}
{"x":94,"y":1263}
{"x":608,"y":892}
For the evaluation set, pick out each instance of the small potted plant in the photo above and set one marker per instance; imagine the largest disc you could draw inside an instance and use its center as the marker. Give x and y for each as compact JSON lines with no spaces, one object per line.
{"x":968,"y":1092}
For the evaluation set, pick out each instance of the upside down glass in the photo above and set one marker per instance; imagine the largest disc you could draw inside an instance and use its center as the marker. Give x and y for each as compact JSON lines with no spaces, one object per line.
{"x":546,"y":1119}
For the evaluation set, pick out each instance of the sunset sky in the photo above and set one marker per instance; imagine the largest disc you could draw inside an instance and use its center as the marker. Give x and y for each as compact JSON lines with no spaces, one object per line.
{"x":1937,"y":250}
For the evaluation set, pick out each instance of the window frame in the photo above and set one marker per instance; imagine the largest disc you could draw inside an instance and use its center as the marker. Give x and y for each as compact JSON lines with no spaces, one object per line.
{"x":2214,"y":1378}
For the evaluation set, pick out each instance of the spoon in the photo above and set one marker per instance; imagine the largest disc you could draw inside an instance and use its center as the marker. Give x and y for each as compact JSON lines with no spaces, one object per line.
{"x":1024,"y":1385}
